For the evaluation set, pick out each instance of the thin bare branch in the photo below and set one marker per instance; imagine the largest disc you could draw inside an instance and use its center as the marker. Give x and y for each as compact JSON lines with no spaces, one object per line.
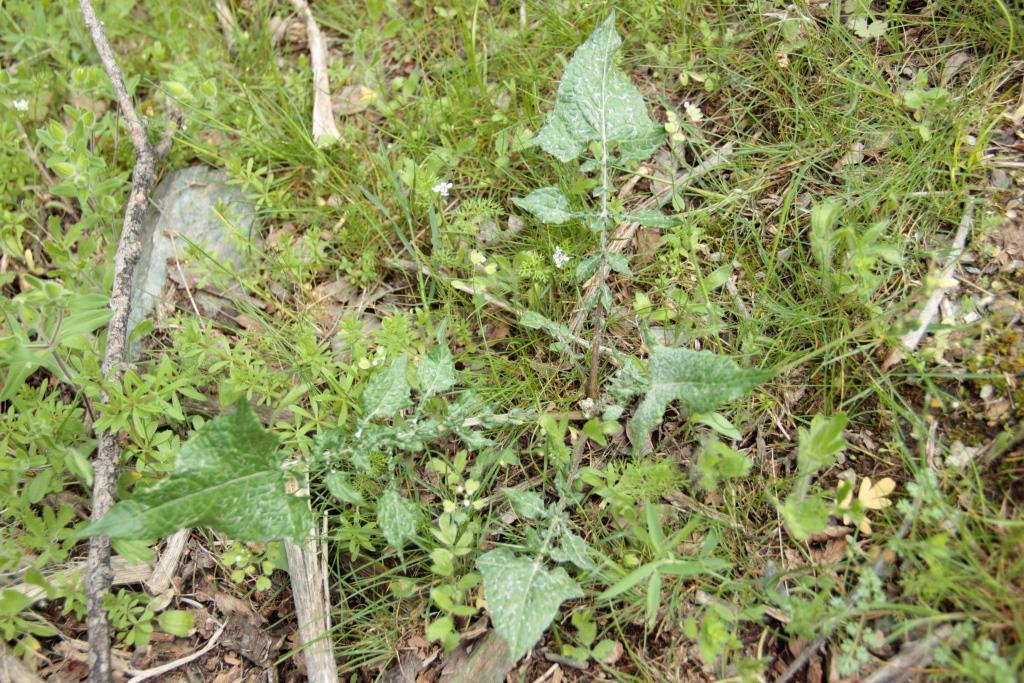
{"x":909,"y":341}
{"x":136,"y":127}
{"x":99,"y":574}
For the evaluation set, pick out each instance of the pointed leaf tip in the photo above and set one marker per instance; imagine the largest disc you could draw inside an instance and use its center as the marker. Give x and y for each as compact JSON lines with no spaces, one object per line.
{"x":596,"y":101}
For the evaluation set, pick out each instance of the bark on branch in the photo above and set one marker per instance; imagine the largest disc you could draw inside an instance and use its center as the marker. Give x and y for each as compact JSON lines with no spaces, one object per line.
{"x":108,"y":456}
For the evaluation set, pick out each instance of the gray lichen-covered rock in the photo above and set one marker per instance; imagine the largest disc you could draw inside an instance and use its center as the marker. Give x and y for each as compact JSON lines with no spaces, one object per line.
{"x":194,"y":205}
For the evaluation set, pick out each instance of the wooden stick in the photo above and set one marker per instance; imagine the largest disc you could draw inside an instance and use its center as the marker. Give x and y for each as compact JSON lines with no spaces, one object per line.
{"x":13,"y":669}
{"x":912,"y":657}
{"x":123,"y":572}
{"x":160,"y":578}
{"x":129,"y":248}
{"x":312,"y":609}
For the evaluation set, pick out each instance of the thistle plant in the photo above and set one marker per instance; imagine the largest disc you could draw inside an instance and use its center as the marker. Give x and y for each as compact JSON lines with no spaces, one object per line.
{"x":600,"y":116}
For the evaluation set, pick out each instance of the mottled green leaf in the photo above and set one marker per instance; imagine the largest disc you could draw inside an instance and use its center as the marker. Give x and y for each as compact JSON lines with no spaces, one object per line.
{"x":388,"y":391}
{"x":523,"y":597}
{"x":397,"y":517}
{"x":527,"y":504}
{"x":596,"y":101}
{"x":700,"y":379}
{"x":228,"y":477}
{"x":574,"y":550}
{"x":436,"y":371}
{"x":547,"y":204}
{"x":340,"y":488}
{"x":619,"y":263}
{"x":587,"y":267}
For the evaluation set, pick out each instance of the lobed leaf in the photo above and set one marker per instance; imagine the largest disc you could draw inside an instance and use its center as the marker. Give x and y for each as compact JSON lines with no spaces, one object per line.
{"x":228,"y":477}
{"x":702,"y":380}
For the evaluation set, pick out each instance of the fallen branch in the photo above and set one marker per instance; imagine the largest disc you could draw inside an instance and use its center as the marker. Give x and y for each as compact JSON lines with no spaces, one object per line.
{"x":123,"y":573}
{"x":312,"y":608}
{"x":912,"y":657}
{"x":129,"y":248}
{"x":909,"y":341}
{"x":160,"y":578}
{"x":325,"y":131}
{"x":13,"y":669}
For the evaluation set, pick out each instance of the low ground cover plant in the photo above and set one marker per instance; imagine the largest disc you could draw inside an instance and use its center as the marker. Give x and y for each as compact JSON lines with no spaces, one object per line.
{"x":684,"y":459}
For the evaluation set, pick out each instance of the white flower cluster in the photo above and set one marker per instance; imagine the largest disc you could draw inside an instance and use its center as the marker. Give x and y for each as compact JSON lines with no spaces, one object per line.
{"x":441,"y":188}
{"x":560,"y":258}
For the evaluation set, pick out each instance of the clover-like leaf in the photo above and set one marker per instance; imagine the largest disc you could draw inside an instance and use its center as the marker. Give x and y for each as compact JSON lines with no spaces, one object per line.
{"x":229,"y":477}
{"x":700,"y":379}
{"x":523,"y":597}
{"x":547,"y":204}
{"x":596,"y":101}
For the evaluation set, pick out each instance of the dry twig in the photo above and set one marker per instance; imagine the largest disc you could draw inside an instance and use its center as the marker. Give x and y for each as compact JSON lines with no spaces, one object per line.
{"x":325,"y":131}
{"x":910,"y":340}
{"x":911,"y":659}
{"x":129,"y":248}
{"x":146,"y":674}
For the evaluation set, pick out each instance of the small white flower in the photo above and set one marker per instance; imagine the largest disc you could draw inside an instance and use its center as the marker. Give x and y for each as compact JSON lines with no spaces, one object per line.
{"x":560,"y":258}
{"x":693,"y":112}
{"x":441,"y":188}
{"x":20,"y":105}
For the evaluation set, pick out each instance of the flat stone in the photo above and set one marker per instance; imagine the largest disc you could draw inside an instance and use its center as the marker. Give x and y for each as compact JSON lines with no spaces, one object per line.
{"x":194,"y":205}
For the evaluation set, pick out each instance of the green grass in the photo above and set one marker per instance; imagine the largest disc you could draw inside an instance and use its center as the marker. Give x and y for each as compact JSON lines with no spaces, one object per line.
{"x":812,"y":119}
